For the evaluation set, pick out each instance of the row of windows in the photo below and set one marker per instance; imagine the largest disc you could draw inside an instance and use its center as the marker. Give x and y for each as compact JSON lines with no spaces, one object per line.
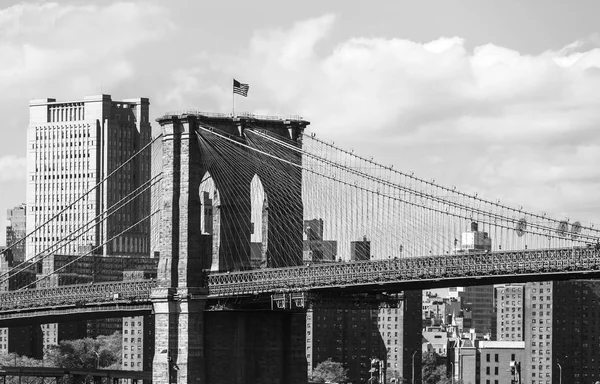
{"x":541,"y":321}
{"x":533,"y":313}
{"x":66,"y":113}
{"x":140,"y":324}
{"x":487,"y":371}
{"x":126,"y":364}
{"x":541,"y":344}
{"x":126,"y":348}
{"x":541,"y":306}
{"x":63,"y":176}
{"x":541,"y":352}
{"x":541,"y":298}
{"x":43,"y":144}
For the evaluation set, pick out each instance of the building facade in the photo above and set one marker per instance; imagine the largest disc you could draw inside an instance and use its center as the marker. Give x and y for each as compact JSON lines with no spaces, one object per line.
{"x":563,"y":331}
{"x":486,"y":362}
{"x":71,"y":147}
{"x":69,"y":269}
{"x":354,"y":337}
{"x":479,"y":300}
{"x":314,"y":248}
{"x":16,"y":231}
{"x":509,"y":312}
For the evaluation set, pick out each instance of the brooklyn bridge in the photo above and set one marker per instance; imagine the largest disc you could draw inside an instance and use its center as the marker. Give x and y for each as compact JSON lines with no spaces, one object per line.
{"x":229,"y":208}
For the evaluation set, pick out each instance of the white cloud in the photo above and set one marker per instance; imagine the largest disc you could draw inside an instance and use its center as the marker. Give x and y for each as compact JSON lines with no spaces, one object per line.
{"x":12,"y":168}
{"x":493,"y":118}
{"x":67,"y":51}
{"x":44,"y":44}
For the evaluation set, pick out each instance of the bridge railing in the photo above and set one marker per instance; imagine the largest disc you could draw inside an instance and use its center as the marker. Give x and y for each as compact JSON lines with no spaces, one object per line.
{"x":118,"y":291}
{"x":330,"y":275}
{"x":321,"y":276}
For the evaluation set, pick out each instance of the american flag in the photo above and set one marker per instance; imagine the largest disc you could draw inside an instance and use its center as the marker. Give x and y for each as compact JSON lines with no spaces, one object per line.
{"x":240,"y":88}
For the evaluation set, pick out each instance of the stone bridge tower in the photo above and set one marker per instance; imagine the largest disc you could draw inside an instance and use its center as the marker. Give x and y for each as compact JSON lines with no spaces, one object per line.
{"x":187,"y":251}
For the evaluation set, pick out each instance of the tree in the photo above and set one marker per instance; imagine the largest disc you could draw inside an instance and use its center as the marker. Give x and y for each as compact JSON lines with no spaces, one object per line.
{"x":393,"y":376}
{"x":329,"y":371}
{"x":88,"y":353}
{"x":12,"y":359}
{"x":434,"y":369}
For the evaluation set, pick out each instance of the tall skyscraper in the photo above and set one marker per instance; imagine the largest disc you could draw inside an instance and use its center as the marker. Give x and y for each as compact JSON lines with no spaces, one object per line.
{"x":563,"y":331}
{"x":72,"y":146}
{"x":16,"y":231}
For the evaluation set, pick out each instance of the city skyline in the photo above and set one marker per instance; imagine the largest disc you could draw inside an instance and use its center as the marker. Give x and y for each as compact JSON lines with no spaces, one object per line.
{"x":456,"y":94}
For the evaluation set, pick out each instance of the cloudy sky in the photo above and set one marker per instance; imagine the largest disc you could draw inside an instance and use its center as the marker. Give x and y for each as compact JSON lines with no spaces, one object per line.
{"x":502,"y":98}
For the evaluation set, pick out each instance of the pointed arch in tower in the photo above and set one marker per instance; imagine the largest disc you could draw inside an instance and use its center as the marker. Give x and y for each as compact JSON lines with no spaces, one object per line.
{"x":210,"y":221}
{"x":260,"y":222}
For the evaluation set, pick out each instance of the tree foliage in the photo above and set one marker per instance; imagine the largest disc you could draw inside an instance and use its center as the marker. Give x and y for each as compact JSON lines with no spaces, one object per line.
{"x":434,"y":369}
{"x":88,"y":353}
{"x":329,"y":371}
{"x":12,"y":359}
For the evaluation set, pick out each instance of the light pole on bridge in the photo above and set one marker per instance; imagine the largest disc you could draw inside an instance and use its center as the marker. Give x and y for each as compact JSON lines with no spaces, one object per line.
{"x":559,"y":373}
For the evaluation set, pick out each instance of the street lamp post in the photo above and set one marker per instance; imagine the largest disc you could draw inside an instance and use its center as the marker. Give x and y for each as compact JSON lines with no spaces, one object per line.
{"x":413,"y":367}
{"x":559,"y":373}
{"x":452,"y":364}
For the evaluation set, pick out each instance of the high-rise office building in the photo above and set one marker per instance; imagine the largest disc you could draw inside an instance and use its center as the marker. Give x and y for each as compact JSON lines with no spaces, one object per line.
{"x":77,"y":169}
{"x":562,"y":332}
{"x":72,"y":146}
{"x":16,"y":231}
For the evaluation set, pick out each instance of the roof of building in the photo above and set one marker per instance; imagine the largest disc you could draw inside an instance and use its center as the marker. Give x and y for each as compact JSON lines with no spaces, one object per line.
{"x":501,"y":344}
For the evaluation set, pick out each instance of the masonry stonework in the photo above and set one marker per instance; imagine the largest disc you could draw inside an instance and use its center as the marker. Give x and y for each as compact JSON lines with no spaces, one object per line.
{"x":194,"y":346}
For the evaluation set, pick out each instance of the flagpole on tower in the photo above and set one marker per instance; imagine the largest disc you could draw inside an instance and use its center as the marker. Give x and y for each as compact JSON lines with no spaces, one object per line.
{"x":240,"y":89}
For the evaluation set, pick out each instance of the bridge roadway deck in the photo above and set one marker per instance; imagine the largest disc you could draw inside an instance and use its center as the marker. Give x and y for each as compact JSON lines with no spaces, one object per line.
{"x":117,"y":299}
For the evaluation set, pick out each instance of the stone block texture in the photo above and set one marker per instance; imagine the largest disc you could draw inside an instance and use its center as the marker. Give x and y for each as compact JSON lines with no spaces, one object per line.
{"x":193,"y":346}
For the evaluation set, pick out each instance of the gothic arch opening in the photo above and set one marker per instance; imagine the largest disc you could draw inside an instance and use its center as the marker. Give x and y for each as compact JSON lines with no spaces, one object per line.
{"x":259,"y":224}
{"x":210,"y":222}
